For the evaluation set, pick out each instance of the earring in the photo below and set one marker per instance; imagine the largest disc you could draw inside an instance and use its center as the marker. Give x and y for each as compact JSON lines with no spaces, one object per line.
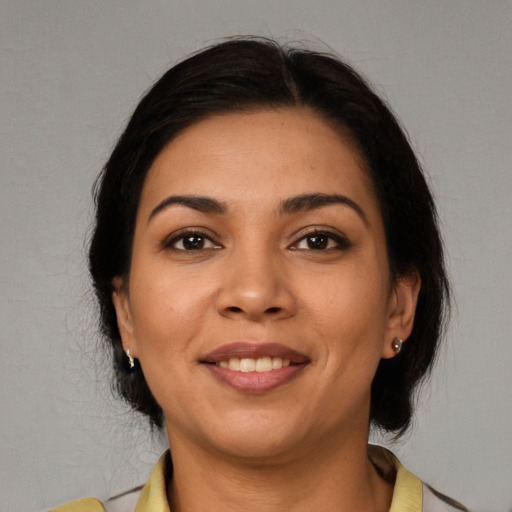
{"x":397,"y":345}
{"x":131,"y":361}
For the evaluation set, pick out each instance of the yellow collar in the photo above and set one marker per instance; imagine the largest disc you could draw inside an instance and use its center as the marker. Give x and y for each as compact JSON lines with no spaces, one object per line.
{"x":153,"y":497}
{"x":407,"y":495}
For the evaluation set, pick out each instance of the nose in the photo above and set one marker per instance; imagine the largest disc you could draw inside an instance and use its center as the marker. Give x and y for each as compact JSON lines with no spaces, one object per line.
{"x":256,"y":287}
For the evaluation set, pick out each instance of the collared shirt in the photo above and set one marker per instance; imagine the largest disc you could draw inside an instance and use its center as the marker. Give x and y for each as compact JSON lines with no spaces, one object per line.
{"x":410,"y":494}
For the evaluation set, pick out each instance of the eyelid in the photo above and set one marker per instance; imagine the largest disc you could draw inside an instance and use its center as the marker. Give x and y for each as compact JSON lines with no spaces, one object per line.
{"x":169,"y":241}
{"x":339,"y":237}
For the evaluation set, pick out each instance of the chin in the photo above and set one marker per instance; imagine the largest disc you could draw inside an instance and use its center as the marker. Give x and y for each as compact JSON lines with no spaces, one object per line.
{"x":260,"y":439}
{"x":259,"y":451}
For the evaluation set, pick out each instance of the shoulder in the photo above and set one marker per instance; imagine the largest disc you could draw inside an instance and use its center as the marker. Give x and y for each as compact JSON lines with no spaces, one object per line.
{"x":151,"y":497}
{"x":83,"y":505}
{"x":410,"y":493}
{"x":434,"y":501}
{"x":125,"y":502}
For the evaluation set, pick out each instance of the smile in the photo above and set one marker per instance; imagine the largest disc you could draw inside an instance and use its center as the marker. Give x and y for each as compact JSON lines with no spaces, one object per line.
{"x":260,"y":365}
{"x":254,"y":368}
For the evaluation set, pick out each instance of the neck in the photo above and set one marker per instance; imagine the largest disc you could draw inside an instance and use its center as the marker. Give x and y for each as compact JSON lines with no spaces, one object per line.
{"x":332,"y":477}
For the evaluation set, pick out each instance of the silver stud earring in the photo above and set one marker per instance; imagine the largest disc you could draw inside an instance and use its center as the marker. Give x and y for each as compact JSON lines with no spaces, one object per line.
{"x":131,"y":361}
{"x":397,"y":345}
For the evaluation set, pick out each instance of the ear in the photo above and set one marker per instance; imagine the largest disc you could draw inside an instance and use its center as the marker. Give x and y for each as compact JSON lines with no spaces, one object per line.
{"x":402,"y":307}
{"x":121,"y":301}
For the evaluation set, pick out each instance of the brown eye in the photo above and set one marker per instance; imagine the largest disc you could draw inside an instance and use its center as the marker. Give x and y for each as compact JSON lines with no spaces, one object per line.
{"x":321,"y":241}
{"x":192,"y":242}
{"x":317,"y":242}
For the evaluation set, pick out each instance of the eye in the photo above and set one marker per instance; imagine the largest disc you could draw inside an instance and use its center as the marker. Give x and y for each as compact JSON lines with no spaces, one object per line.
{"x":192,"y":241}
{"x":321,"y":241}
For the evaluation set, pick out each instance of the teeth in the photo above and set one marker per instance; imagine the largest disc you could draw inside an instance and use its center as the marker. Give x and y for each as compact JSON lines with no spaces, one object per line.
{"x":262,"y":364}
{"x":234,"y":364}
{"x":281,"y":363}
{"x":247,"y":365}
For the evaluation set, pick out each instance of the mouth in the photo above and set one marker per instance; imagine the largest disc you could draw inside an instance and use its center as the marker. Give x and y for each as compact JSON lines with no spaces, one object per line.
{"x":260,"y":365}
{"x":254,"y":368}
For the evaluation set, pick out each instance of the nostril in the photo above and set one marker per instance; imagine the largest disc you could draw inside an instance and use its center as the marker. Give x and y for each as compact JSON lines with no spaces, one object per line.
{"x":235,"y":309}
{"x":273,"y":310}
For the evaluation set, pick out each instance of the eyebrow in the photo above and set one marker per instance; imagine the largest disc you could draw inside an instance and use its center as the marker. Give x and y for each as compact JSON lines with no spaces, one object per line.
{"x":200,"y":203}
{"x":297,"y":204}
{"x":307,"y":202}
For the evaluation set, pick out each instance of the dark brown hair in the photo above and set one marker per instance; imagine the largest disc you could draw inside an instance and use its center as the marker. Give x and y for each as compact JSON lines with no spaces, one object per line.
{"x":249,"y":74}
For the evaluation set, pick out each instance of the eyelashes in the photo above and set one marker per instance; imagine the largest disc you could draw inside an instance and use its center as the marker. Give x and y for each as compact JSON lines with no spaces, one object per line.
{"x":190,"y":240}
{"x":320,"y":241}
{"x":315,"y":240}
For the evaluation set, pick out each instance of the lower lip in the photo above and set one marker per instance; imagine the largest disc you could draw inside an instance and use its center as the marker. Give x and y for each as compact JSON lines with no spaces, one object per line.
{"x":255,"y":382}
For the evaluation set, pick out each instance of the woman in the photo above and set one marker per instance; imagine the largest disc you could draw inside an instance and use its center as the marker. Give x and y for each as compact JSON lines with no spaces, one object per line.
{"x":270,"y":275}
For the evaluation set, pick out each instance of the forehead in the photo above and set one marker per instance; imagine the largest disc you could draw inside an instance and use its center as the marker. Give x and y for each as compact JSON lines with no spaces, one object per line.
{"x":248,"y":157}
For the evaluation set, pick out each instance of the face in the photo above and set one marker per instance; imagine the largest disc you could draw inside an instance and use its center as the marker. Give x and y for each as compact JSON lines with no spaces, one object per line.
{"x":259,"y":300}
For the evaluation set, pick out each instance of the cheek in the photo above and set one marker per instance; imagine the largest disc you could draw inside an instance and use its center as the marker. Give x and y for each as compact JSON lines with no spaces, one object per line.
{"x":168,"y":311}
{"x":347,"y":294}
{"x":168,"y":315}
{"x":348,"y":309}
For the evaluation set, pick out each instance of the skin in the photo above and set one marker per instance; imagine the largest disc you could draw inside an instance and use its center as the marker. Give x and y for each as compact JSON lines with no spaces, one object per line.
{"x":259,"y":277}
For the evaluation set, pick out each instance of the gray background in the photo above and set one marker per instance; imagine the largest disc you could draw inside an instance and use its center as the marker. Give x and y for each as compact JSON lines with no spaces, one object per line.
{"x":71,"y":72}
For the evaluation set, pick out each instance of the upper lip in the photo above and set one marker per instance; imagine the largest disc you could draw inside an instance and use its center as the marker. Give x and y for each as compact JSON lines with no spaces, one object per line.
{"x":249,"y":350}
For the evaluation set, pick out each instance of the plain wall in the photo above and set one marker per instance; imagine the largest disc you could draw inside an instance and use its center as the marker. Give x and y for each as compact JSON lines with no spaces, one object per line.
{"x":71,"y":73}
